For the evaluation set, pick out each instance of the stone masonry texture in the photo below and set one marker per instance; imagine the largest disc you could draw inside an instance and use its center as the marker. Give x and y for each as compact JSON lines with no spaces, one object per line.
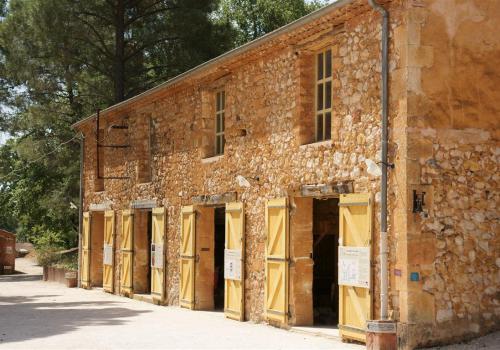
{"x":443,"y":140}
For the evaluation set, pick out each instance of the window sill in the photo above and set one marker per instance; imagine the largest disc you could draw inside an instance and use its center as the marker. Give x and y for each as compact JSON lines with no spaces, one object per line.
{"x":143,"y":183}
{"x":327,"y":143}
{"x":212,"y":159}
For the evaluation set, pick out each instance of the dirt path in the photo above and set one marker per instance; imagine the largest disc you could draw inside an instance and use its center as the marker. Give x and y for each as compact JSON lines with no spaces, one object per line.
{"x":489,"y":342}
{"x":43,"y":315}
{"x":28,"y":266}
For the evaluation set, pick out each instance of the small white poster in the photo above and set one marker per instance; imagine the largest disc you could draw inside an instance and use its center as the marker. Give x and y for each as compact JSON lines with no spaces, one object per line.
{"x":8,"y":250}
{"x":354,"y":266}
{"x":232,"y":264}
{"x":157,"y":256}
{"x":108,"y":255}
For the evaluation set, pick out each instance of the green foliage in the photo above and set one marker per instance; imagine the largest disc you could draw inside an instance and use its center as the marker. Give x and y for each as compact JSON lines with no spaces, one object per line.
{"x":68,"y":262}
{"x":47,"y":255}
{"x":62,"y":59}
{"x":254,"y":18}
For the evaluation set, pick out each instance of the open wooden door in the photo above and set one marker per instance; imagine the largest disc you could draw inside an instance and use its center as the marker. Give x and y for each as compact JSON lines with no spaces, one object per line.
{"x":187,"y":257}
{"x":277,"y":250}
{"x":355,"y":302}
{"x":109,"y":252}
{"x":127,"y":250}
{"x":85,"y":261}
{"x":234,"y":261}
{"x":158,"y":255}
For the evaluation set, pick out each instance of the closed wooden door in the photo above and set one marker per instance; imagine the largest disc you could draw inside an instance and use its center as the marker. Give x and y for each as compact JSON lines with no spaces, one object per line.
{"x":355,"y":302}
{"x":85,"y":262}
{"x":187,"y":257}
{"x":234,"y":278}
{"x":127,"y":251}
{"x":108,"y":258}
{"x":158,"y":255}
{"x":277,"y":250}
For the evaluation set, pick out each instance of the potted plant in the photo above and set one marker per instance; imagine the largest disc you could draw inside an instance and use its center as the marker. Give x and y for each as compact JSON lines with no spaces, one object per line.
{"x":71,"y":279}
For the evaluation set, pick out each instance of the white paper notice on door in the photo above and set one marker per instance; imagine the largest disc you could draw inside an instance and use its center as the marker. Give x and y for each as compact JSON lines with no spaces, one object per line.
{"x":232,"y":264}
{"x":108,"y":255}
{"x":354,"y":266}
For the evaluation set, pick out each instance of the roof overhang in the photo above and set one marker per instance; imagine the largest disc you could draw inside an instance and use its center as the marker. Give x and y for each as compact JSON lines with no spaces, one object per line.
{"x":226,"y":56}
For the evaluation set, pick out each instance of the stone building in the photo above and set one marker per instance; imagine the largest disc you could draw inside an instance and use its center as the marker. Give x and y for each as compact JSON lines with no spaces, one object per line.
{"x":7,"y":252}
{"x":252,"y":183}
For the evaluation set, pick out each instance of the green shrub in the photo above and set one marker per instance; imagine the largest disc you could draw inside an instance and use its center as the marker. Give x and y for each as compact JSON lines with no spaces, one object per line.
{"x":68,"y":262}
{"x":47,"y":255}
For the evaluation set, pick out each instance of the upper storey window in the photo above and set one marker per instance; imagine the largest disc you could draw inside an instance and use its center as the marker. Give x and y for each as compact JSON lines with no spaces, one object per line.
{"x":220,"y":106}
{"x":323,"y":99}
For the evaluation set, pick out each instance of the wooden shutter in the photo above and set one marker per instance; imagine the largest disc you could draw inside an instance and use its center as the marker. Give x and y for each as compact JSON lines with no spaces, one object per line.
{"x":108,"y":259}
{"x":85,"y":262}
{"x":158,"y":255}
{"x":355,"y":303}
{"x":234,"y":287}
{"x":127,"y":250}
{"x":187,"y":257}
{"x":276,"y":286}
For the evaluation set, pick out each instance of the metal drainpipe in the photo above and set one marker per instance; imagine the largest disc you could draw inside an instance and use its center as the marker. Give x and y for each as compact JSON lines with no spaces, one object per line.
{"x":80,"y":209}
{"x":383,"y":186}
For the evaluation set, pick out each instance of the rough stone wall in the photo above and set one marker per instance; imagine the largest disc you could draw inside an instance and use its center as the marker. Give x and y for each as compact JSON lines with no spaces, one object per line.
{"x":453,"y":105}
{"x":262,"y":140}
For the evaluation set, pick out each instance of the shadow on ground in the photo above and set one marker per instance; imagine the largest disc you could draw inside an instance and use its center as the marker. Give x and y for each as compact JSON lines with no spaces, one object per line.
{"x":20,"y":277}
{"x":24,"y":318}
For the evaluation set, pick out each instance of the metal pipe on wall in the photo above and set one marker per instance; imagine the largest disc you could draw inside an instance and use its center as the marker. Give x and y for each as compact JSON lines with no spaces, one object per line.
{"x":383,"y":186}
{"x":80,"y":209}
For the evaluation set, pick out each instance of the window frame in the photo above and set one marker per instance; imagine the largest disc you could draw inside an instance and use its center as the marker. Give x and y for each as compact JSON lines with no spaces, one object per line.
{"x":323,"y":81}
{"x":220,"y":113}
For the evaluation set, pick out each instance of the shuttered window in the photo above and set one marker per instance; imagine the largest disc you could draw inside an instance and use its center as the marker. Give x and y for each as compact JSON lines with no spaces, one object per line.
{"x":323,"y":95}
{"x":220,"y":106}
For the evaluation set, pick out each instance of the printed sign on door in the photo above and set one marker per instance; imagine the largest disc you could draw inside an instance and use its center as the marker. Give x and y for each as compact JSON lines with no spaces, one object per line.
{"x":354,"y":266}
{"x":232,"y":264}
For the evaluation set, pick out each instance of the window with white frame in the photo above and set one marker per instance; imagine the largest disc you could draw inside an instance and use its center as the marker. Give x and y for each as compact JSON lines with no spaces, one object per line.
{"x":323,"y":104}
{"x":220,"y":106}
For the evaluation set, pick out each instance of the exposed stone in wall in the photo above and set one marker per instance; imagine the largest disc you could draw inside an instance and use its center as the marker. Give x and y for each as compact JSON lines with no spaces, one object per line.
{"x":443,"y":140}
{"x":453,"y":155}
{"x":261,"y":101}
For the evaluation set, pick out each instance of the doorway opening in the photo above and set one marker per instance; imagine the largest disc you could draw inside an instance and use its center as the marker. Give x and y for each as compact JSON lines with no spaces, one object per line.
{"x":219,"y":240}
{"x":96,"y":249}
{"x":325,"y":255}
{"x":142,"y":251}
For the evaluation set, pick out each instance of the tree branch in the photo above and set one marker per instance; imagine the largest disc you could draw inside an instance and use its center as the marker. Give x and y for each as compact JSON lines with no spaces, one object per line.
{"x":145,"y":46}
{"x":98,"y":35}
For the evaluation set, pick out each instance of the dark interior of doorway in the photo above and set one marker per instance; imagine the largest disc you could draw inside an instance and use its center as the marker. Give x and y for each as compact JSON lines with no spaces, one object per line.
{"x":325,"y":251}
{"x":219,"y":240}
{"x":97,"y":249}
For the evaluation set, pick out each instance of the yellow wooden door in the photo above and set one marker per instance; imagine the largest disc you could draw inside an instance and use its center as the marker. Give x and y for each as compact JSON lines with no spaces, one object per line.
{"x":234,"y":278}
{"x":85,"y":262}
{"x":158,"y":255}
{"x":127,"y":250}
{"x":355,"y":298}
{"x":276,"y":285}
{"x":187,"y":257}
{"x":108,"y":258}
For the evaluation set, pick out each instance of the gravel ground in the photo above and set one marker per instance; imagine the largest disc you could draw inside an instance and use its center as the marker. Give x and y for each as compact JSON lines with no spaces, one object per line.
{"x":488,"y":342}
{"x":42,"y":315}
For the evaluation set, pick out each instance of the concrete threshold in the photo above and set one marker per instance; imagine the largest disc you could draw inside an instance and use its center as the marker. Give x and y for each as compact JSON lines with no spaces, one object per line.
{"x":324,"y":332}
{"x":148,"y":298}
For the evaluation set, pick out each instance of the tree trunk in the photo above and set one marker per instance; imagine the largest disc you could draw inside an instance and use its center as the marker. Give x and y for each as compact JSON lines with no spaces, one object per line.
{"x":119,"y":64}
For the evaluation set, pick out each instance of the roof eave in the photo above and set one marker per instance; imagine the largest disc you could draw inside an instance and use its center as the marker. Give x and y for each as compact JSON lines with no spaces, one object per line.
{"x":230,"y":54}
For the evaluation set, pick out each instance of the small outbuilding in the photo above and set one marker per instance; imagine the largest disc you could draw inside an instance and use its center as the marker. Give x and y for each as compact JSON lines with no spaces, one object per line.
{"x":7,"y":252}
